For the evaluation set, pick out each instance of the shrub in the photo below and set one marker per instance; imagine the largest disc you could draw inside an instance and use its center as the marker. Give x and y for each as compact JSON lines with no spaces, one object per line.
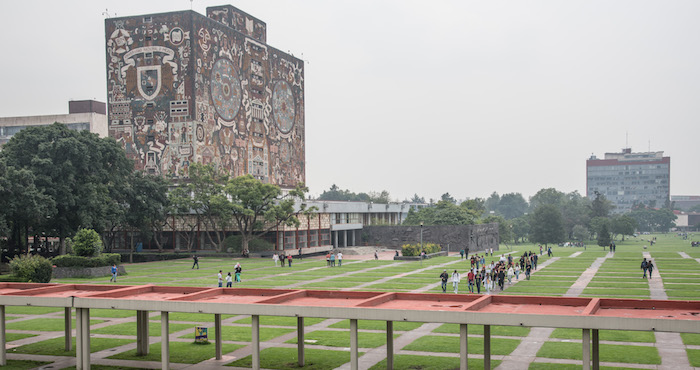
{"x":87,"y":243}
{"x":232,"y":244}
{"x":106,"y":259}
{"x":415,"y":249}
{"x":34,"y":269}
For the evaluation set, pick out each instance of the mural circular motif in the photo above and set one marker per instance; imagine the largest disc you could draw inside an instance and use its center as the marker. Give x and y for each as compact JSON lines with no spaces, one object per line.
{"x":226,"y":89}
{"x":283,"y":107}
{"x":285,"y":152}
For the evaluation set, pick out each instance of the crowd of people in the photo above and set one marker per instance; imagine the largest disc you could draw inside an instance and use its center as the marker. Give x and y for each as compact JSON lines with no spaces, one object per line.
{"x":487,"y":276}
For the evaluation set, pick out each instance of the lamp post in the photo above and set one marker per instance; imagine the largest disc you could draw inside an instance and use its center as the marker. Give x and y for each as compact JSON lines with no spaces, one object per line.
{"x":421,"y":244}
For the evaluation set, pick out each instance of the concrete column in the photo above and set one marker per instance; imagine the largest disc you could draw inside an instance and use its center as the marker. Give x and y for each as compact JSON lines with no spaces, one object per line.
{"x":79,"y":339}
{"x":217,"y":335}
{"x":389,"y":344}
{"x":68,"y":332}
{"x":463,"y":347}
{"x":353,"y":238}
{"x":141,"y":333}
{"x":86,"y":338}
{"x":487,"y":347}
{"x":255,"y":327}
{"x":300,"y":341}
{"x":3,"y":338}
{"x":335,"y":237}
{"x":594,"y":349}
{"x":164,"y":340}
{"x":353,"y":345}
{"x":586,"y":349}
{"x":345,"y":238}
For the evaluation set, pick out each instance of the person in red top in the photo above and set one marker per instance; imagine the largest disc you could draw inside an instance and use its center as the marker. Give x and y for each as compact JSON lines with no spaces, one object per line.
{"x":470,"y":279}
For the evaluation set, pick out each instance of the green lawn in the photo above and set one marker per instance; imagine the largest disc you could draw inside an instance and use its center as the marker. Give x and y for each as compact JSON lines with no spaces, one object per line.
{"x":609,"y":335}
{"x":286,"y":358}
{"x":433,"y":343}
{"x":608,"y":353}
{"x":57,"y":346}
{"x":413,"y":362}
{"x":505,"y":331}
{"x":242,"y":333}
{"x":342,"y":339}
{"x":180,"y":352}
{"x":44,"y":324}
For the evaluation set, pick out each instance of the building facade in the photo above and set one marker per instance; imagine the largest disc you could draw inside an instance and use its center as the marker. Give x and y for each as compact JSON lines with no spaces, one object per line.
{"x":628,"y":178}
{"x":82,"y":115}
{"x":186,"y":88}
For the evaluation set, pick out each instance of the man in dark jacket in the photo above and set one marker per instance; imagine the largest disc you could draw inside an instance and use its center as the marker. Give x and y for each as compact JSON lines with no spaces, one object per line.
{"x":444,"y":278}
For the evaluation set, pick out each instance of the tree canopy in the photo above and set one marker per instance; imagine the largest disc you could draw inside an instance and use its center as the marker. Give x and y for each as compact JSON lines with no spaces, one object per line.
{"x":546,"y":225}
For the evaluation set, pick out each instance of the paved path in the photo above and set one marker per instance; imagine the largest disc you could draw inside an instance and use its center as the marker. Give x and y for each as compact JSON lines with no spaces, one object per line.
{"x":670,"y":345}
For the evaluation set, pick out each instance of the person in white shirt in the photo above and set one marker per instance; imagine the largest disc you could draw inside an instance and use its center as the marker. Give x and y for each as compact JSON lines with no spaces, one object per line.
{"x":220,"y":279}
{"x":229,"y":280}
{"x":340,"y":259}
{"x":275,"y":258}
{"x":455,"y":281}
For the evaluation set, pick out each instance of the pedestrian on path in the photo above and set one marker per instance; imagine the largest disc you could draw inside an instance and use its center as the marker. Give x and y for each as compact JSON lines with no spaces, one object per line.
{"x":479,"y":279}
{"x":461,"y":253}
{"x":333,"y":260}
{"x":650,"y":268}
{"x":487,"y":284}
{"x":517,"y":272}
{"x":114,"y":273}
{"x":238,"y":269}
{"x":289,"y":260}
{"x":455,"y":281}
{"x":443,"y":278}
{"x":470,"y":280}
{"x":644,"y":268}
{"x":510,"y":274}
{"x":501,"y":278}
{"x":276,"y":258}
{"x":196,"y":261}
{"x":229,"y":280}
{"x":220,"y":279}
{"x":282,"y":258}
{"x":328,"y":259}
{"x":376,"y":256}
{"x":340,"y":259}
{"x":528,"y":269}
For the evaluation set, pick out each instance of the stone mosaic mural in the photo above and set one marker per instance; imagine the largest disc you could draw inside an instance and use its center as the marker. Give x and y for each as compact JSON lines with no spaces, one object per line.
{"x":184,"y":88}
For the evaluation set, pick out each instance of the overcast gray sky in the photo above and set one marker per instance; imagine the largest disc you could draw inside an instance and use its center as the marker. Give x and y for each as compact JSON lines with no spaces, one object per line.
{"x":465,"y":97}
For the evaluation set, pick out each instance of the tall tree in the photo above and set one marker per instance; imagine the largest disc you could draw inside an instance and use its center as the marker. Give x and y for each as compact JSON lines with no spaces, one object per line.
{"x":475,"y":206}
{"x":623,"y":225}
{"x":575,"y":210}
{"x":77,"y":170}
{"x":417,"y":199}
{"x":492,"y":202}
{"x":546,"y":225}
{"x":601,"y":206}
{"x":257,"y":208}
{"x":512,"y":205}
{"x":604,"y":235}
{"x":549,"y":196}
{"x":148,"y":205}
{"x":521,"y":228}
{"x":448,"y":198}
{"x":505,"y":228}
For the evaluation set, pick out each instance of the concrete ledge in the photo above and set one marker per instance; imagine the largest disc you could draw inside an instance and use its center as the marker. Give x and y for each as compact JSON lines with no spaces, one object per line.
{"x":72,"y":272}
{"x":417,"y":258}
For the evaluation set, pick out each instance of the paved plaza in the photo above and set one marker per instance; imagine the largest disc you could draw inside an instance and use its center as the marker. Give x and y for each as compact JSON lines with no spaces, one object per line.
{"x":570,"y":272}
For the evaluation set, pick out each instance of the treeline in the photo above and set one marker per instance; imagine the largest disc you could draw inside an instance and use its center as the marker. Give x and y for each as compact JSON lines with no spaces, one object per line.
{"x":55,"y":181}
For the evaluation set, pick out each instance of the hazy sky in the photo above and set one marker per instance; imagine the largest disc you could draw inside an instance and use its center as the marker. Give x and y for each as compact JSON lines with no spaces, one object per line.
{"x":465,"y":97}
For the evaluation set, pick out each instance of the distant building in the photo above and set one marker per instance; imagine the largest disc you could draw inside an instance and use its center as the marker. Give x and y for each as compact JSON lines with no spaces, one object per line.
{"x":82,"y":115}
{"x":186,"y":88}
{"x":628,"y":178}
{"x":685,"y":202}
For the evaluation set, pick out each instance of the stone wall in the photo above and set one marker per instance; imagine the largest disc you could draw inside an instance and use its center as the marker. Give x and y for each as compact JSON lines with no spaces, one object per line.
{"x":72,"y":272}
{"x":471,"y":237}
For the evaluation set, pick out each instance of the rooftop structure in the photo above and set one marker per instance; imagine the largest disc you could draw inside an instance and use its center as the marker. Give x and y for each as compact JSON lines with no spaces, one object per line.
{"x":82,"y":115}
{"x":628,"y":178}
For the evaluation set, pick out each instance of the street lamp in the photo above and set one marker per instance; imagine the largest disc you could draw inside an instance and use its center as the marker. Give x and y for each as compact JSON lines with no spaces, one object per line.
{"x":421,"y":244}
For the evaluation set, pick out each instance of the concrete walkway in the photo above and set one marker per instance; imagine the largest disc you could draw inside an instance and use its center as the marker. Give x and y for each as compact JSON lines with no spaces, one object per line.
{"x":670,"y":345}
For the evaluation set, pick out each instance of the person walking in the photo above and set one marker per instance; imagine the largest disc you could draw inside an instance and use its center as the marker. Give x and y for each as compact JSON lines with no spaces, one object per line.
{"x":510,"y":274}
{"x":220,"y":279}
{"x":517,"y":272}
{"x":114,"y":273}
{"x":528,"y":269}
{"x":333,"y":260}
{"x":376,"y":256}
{"x":443,"y":278}
{"x":282,"y":258}
{"x":196,"y":261}
{"x":455,"y":281}
{"x":328,"y":259}
{"x":470,"y":280}
{"x":487,"y":283}
{"x":644,"y":266}
{"x":289,"y":260}
{"x":650,"y":268}
{"x":501,"y":278}
{"x":479,"y":278}
{"x":229,"y":280}
{"x":340,"y":259}
{"x":276,"y":258}
{"x":238,"y":269}
{"x":461,"y":253}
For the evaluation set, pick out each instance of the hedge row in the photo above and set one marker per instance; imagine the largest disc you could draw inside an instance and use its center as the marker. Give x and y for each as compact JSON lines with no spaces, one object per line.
{"x":415,"y":249}
{"x":105,"y":259}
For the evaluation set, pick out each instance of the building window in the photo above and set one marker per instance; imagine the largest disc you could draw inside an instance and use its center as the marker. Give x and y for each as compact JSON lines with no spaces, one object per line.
{"x":147,"y":19}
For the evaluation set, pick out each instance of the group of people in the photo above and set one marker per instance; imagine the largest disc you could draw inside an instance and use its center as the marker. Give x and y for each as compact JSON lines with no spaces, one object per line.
{"x":230,"y":279}
{"x":485,"y":276}
{"x":281,"y":258}
{"x":331,"y":258}
{"x":647,"y":266}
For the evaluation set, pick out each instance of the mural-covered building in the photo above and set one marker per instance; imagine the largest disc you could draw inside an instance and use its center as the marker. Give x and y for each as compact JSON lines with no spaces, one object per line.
{"x":184,"y":88}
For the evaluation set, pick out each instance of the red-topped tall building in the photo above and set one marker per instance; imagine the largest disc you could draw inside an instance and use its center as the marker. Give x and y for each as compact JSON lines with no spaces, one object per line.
{"x":185,"y":88}
{"x":628,"y":178}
